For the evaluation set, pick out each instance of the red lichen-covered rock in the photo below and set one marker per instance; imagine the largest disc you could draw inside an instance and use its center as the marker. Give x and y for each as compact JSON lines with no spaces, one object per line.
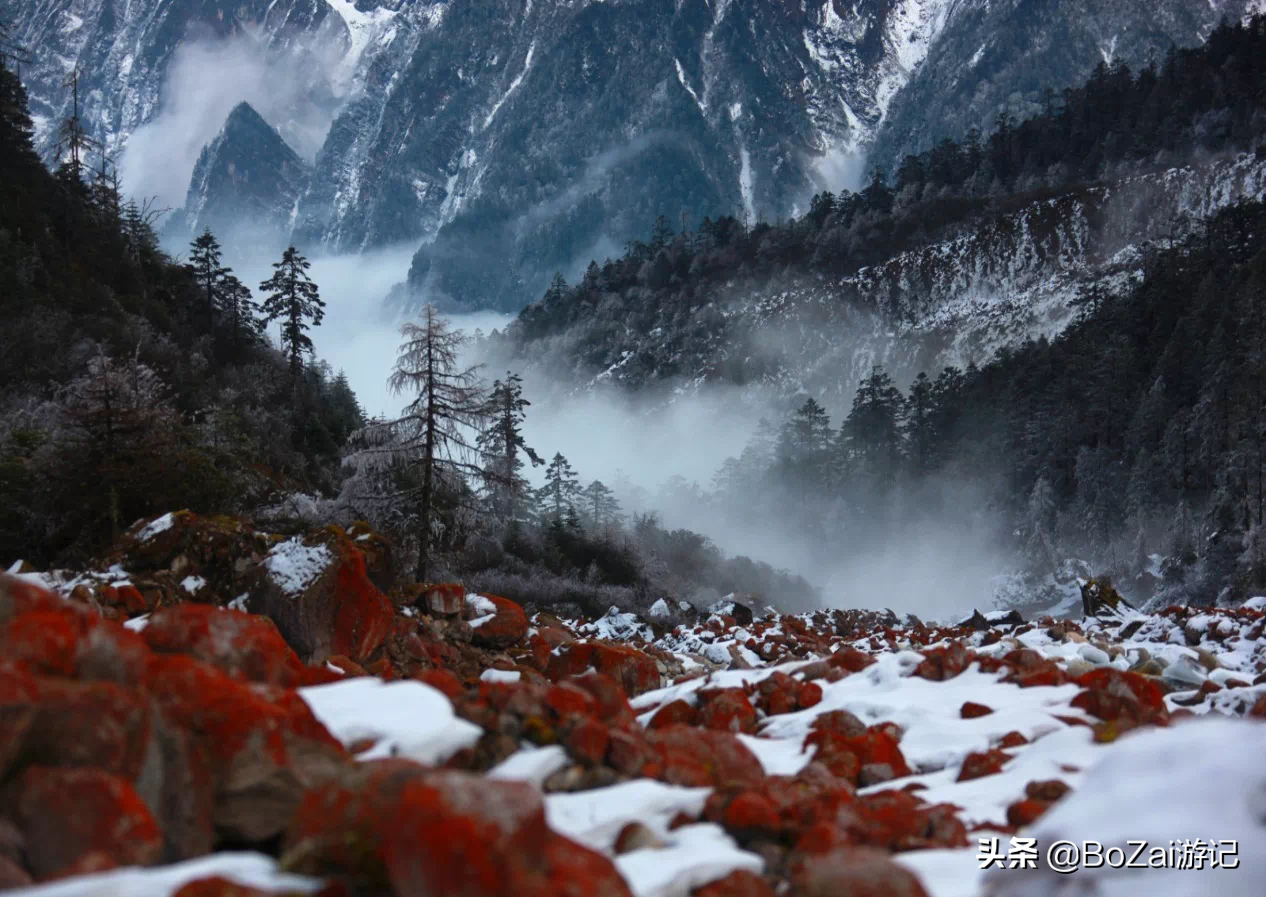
{"x":703,"y":757}
{"x":633,"y":669}
{"x":243,"y":645}
{"x":1012,"y":740}
{"x":871,"y":757}
{"x":1049,"y":790}
{"x":217,"y":886}
{"x":394,"y":827}
{"x":262,"y":747}
{"x":317,"y":591}
{"x":18,"y":596}
{"x":444,"y":681}
{"x":674,"y":713}
{"x":587,"y":741}
{"x":940,"y":664}
{"x":980,"y":764}
{"x":853,"y":872}
{"x":1026,"y":812}
{"x":71,"y":643}
{"x":445,"y":599}
{"x":1258,"y":710}
{"x":809,"y":694}
{"x":508,"y":626}
{"x":67,"y":816}
{"x":972,"y":710}
{"x":850,"y":659}
{"x":1030,"y":669}
{"x":90,"y":724}
{"x":19,"y":697}
{"x":842,"y":722}
{"x":1121,"y":697}
{"x":726,"y":710}
{"x":739,"y":883}
{"x":751,"y":813}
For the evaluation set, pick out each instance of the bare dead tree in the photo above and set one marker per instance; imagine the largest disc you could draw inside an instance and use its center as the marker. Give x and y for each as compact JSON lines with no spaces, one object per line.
{"x":433,"y":439}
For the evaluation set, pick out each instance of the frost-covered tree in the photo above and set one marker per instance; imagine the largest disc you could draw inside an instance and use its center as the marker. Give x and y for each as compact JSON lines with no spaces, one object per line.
{"x":1039,"y":525}
{"x":559,"y":496}
{"x":430,"y":447}
{"x":503,"y":449}
{"x":115,"y":432}
{"x":239,"y":311}
{"x":602,"y":509}
{"x":295,"y":299}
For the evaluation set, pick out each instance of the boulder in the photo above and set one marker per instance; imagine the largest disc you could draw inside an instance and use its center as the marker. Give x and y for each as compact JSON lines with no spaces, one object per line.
{"x":242,"y":645}
{"x":217,"y":552}
{"x":75,"y":820}
{"x":634,"y":670}
{"x":853,"y":872}
{"x":505,"y":625}
{"x":317,"y":591}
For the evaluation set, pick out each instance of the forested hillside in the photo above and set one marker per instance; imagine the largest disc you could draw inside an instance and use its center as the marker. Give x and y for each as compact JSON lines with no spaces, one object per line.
{"x":1131,"y":440}
{"x":131,"y":383}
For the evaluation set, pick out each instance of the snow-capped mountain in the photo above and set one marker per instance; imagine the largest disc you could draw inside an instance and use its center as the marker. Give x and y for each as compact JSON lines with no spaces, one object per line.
{"x":544,"y":133}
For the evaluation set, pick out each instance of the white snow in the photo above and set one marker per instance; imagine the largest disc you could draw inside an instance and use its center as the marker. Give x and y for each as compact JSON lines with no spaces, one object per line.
{"x":192,"y":584}
{"x":659,"y":608}
{"x":154,"y":527}
{"x":239,"y":603}
{"x":514,"y":85}
{"x":532,"y":764}
{"x":293,"y":565}
{"x":136,"y":624}
{"x":483,"y":607}
{"x":404,"y":718}
{"x":694,"y":856}
{"x":1197,"y":779}
{"x":250,"y":869}
{"x":500,"y":676}
{"x":778,"y":757}
{"x":746,"y":178}
{"x":681,"y":76}
{"x":595,"y":818}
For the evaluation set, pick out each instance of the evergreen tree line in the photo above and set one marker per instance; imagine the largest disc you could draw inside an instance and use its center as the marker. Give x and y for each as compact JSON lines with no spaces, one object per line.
{"x":131,"y":383}
{"x":1135,"y":441}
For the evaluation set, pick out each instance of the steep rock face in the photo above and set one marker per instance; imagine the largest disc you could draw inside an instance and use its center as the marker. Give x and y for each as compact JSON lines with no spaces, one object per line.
{"x":248,"y":176}
{"x":123,"y":52}
{"x":997,"y":56}
{"x":1001,"y":279}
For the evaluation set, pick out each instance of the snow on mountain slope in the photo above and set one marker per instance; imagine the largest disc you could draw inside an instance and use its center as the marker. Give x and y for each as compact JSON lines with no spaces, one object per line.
{"x":1002,"y":279}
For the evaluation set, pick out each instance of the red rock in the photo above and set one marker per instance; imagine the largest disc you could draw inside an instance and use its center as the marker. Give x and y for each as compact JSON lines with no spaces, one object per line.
{"x":12,"y":875}
{"x":507,"y":627}
{"x":395,"y":827}
{"x":216,"y":886}
{"x":446,"y":599}
{"x":853,"y":872}
{"x":703,"y":757}
{"x":588,"y":740}
{"x":1259,"y":709}
{"x":842,"y":722}
{"x":971,"y":710}
{"x":364,"y":615}
{"x":739,"y":883}
{"x":609,"y":696}
{"x":899,"y":820}
{"x":631,"y":753}
{"x":944,"y":663}
{"x":1049,"y":790}
{"x":318,"y":675}
{"x":976,"y":765}
{"x":850,"y":659}
{"x":19,"y":698}
{"x":726,"y":710}
{"x":444,"y":681}
{"x":18,"y":597}
{"x":90,"y":724}
{"x":674,"y":713}
{"x":835,"y":753}
{"x":66,"y":815}
{"x":73,"y":644}
{"x":1026,"y":812}
{"x":262,"y":746}
{"x":1012,"y":740}
{"x":634,"y":670}
{"x":1117,"y":696}
{"x":243,"y":645}
{"x":809,"y":695}
{"x":751,"y":813}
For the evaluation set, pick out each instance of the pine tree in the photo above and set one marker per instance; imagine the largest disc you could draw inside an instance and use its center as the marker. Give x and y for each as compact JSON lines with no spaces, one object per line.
{"x":561,"y":492}
{"x":503,"y":448}
{"x":803,"y":451}
{"x":919,"y":430}
{"x":294,"y":298}
{"x":601,"y":506}
{"x":205,"y":260}
{"x":239,"y":311}
{"x":870,"y":439}
{"x":429,"y":441}
{"x":117,"y":429}
{"x":661,"y":233}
